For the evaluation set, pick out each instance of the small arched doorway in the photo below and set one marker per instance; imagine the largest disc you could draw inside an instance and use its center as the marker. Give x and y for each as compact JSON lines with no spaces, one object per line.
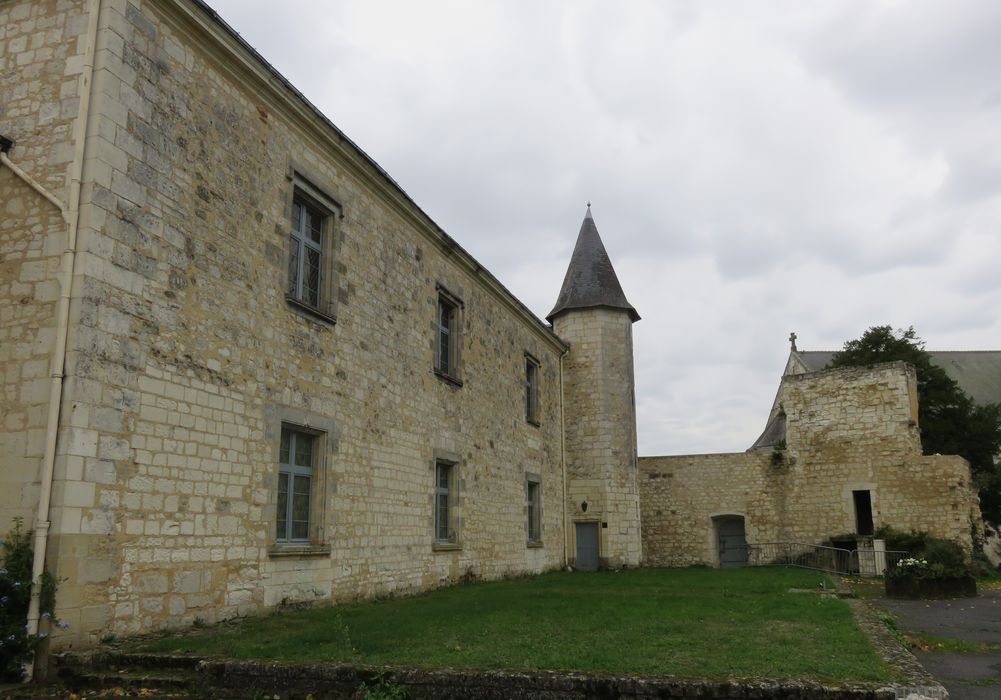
{"x":731,"y":542}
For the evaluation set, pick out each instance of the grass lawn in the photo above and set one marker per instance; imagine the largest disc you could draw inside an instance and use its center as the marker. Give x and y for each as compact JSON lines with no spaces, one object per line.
{"x":696,"y":623}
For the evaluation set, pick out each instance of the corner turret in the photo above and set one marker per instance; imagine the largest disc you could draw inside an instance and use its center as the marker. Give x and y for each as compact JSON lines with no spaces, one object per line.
{"x":593,"y":316}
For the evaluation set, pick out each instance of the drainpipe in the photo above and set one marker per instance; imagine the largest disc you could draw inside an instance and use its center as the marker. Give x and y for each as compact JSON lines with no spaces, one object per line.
{"x":563,"y":461}
{"x":62,"y":330}
{"x":5,"y":145}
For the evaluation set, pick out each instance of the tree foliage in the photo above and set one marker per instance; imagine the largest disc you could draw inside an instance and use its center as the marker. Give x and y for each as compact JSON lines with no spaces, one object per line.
{"x":951,"y":422}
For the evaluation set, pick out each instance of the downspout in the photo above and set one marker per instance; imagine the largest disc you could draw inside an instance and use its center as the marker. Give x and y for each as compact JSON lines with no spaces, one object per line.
{"x":62,"y":329}
{"x":5,"y":146}
{"x":563,"y":461}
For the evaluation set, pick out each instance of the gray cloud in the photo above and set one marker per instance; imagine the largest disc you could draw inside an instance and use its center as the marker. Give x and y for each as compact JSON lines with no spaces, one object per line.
{"x":755,"y":169}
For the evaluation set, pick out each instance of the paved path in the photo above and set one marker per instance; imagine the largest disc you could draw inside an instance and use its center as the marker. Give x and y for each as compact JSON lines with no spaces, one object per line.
{"x":965,"y":676}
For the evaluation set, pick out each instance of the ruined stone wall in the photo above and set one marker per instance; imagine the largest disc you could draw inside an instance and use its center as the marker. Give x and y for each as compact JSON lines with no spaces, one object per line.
{"x":601,"y":429}
{"x":40,"y":51}
{"x":681,"y":495}
{"x":852,"y":429}
{"x":186,"y":360}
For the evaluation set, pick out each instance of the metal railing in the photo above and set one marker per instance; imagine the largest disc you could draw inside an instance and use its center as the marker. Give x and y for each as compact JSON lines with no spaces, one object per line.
{"x":846,"y":562}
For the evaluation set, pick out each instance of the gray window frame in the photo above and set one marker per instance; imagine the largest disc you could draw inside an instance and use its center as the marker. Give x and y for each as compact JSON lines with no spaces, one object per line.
{"x":444,"y":519}
{"x":448,"y":333}
{"x":533,"y":371}
{"x":300,"y":242}
{"x":533,"y":509}
{"x":292,"y":469}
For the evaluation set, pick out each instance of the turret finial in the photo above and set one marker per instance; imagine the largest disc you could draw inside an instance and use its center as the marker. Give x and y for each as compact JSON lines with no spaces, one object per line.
{"x":792,"y":341}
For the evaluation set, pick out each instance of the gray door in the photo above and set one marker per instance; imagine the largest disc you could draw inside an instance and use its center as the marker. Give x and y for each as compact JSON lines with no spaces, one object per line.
{"x":587,"y":546}
{"x":732,"y":543}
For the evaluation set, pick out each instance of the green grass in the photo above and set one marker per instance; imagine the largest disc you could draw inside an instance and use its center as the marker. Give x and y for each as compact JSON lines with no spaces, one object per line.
{"x":934,"y":643}
{"x":696,"y":623}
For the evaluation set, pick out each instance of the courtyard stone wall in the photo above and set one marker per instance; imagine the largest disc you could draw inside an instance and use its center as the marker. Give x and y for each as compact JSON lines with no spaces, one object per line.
{"x":852,"y":429}
{"x":186,"y":360}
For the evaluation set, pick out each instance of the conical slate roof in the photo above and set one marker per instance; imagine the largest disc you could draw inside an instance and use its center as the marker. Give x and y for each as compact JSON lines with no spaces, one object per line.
{"x":590,"y":279}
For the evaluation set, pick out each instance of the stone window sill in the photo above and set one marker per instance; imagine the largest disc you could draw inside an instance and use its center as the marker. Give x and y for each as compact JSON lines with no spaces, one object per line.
{"x":307,"y":310}
{"x":448,"y":378}
{"x":278,"y":551}
{"x":446,"y":547}
{"x":534,"y":544}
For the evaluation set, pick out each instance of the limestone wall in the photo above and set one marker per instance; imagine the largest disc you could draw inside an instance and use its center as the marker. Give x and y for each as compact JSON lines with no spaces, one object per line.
{"x":852,"y":429}
{"x":40,"y":64}
{"x":186,"y":359}
{"x":601,"y":429}
{"x":680,"y":496}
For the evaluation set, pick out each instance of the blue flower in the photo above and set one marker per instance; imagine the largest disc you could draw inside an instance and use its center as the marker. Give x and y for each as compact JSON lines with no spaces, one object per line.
{"x":46,"y":615}
{"x":4,"y":599}
{"x":61,"y":624}
{"x":43,"y":635}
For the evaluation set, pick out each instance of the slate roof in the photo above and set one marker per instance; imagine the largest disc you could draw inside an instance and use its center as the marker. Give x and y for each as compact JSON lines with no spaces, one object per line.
{"x":774,"y":433}
{"x":590,"y":280}
{"x":978,"y":372}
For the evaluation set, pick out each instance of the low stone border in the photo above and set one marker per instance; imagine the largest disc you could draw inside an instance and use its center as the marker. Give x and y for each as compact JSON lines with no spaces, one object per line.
{"x":918,"y":684}
{"x":222,"y":678}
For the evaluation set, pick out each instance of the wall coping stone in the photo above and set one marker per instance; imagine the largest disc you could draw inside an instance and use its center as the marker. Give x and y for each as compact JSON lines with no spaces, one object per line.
{"x":234,"y":678}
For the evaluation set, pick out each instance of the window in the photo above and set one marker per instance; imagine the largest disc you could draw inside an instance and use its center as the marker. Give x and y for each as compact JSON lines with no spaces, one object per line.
{"x":305,"y":253}
{"x":444,"y":500}
{"x":531,"y":390}
{"x":534,"y":495}
{"x":446,"y":355}
{"x":311,"y":241}
{"x":296,"y":459}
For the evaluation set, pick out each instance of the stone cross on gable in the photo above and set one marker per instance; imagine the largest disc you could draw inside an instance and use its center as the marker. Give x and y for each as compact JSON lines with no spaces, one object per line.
{"x":792,"y":341}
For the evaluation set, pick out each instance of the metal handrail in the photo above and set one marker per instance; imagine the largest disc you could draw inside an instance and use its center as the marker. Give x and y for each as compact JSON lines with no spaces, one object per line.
{"x":834,"y":560}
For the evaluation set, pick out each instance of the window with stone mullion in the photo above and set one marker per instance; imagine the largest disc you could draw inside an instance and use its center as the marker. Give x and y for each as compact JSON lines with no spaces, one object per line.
{"x":443,"y":531}
{"x":295,"y":474}
{"x":534,"y":519}
{"x":305,"y":253}
{"x":446,"y":314}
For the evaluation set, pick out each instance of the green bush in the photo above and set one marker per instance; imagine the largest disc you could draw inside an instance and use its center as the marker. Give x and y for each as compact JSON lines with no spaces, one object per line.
{"x":16,"y":645}
{"x":382,"y":688}
{"x":930,"y":557}
{"x":913,"y":542}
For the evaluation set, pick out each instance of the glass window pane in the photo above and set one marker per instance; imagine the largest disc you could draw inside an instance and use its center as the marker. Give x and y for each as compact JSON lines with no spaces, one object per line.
{"x":444,"y":360}
{"x":300,"y":508}
{"x":442,"y":517}
{"x":296,"y":216}
{"x":315,"y":229}
{"x":282,"y":533}
{"x":293,"y":265}
{"x":311,"y":285}
{"x":303,"y":450}
{"x":283,"y":448}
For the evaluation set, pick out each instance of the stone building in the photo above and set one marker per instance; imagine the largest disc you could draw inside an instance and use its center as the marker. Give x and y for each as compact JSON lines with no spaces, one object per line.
{"x":840,"y":456}
{"x":241,"y":367}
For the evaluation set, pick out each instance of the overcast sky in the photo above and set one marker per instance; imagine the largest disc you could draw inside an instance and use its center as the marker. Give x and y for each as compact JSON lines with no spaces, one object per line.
{"x":755,"y":168}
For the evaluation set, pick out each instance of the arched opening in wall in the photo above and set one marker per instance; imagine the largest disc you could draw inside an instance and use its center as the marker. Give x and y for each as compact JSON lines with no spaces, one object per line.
{"x":731,"y":542}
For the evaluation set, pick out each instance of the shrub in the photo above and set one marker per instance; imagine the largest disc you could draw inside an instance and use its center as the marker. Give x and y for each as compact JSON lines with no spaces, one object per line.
{"x":913,"y":542}
{"x":381,"y":688}
{"x":16,"y":645}
{"x":930,"y":557}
